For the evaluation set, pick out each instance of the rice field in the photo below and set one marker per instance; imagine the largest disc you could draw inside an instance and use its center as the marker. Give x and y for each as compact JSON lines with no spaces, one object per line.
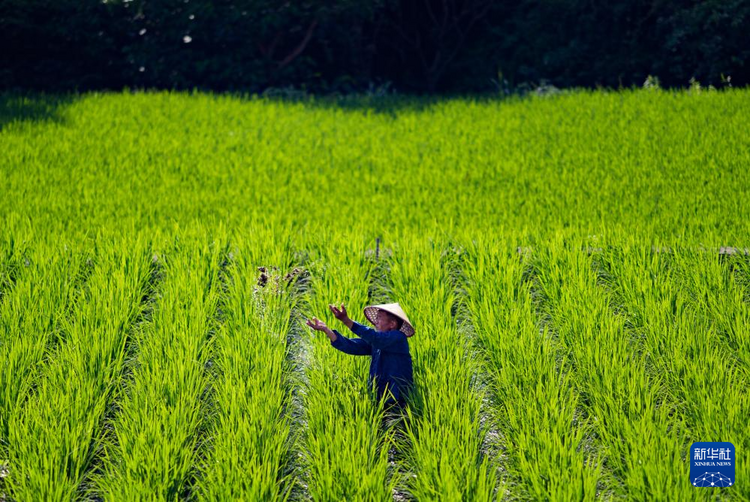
{"x":576,"y":266}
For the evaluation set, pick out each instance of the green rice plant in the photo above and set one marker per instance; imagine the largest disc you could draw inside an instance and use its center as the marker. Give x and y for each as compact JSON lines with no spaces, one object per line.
{"x":31,"y":321}
{"x":534,"y":401}
{"x":625,"y":403}
{"x":327,"y":178}
{"x":53,"y":438}
{"x":250,"y":445}
{"x":344,"y":447}
{"x":737,"y":320}
{"x":639,"y":160}
{"x":442,"y":450}
{"x":682,"y":350}
{"x":15,"y":243}
{"x":716,"y":295}
{"x":156,"y":430}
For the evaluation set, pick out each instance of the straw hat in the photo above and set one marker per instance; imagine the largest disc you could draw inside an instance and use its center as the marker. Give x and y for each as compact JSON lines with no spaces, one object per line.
{"x":393,"y":308}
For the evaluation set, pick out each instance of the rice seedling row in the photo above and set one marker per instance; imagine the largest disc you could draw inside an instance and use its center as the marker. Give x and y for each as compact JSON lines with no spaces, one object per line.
{"x":716,"y":296}
{"x":345,"y":450}
{"x":251,"y":444}
{"x":153,"y":449}
{"x":659,"y":463}
{"x":35,"y":301}
{"x":54,"y":437}
{"x":490,"y":165}
{"x":443,"y":457}
{"x":31,"y":322}
{"x":623,"y":401}
{"x":683,"y":353}
{"x":500,"y":358}
{"x":738,"y":321}
{"x":13,"y":260}
{"x":530,"y":381}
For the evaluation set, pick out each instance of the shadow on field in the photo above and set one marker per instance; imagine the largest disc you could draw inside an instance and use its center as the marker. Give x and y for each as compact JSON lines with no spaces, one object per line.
{"x":391,"y":105}
{"x":17,"y":107}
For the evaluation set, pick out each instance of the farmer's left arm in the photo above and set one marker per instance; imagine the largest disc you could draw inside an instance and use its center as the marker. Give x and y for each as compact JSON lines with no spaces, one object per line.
{"x":353,"y":346}
{"x":388,"y":340}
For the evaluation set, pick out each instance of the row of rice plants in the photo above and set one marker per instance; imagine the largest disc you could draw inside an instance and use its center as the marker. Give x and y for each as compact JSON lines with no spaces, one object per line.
{"x":443,"y":436}
{"x":345,"y":449}
{"x":718,"y":295}
{"x":54,"y":437}
{"x":719,"y":299}
{"x":533,"y":397}
{"x":514,"y":162}
{"x":683,"y":345}
{"x":737,"y":323}
{"x":155,"y":440}
{"x":31,"y":320}
{"x":251,"y":442}
{"x":623,"y":401}
{"x":684,"y":354}
{"x":15,"y":245}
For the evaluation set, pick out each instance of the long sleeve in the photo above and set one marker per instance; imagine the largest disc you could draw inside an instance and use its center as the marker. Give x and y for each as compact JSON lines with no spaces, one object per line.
{"x":393,"y":340}
{"x":353,"y":346}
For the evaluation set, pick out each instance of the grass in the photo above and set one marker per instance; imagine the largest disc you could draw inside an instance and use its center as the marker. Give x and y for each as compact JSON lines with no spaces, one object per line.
{"x":55,"y":435}
{"x":155,"y":440}
{"x":443,"y":433}
{"x":535,"y":402}
{"x":251,"y":444}
{"x":32,"y":319}
{"x":576,"y":326}
{"x":343,"y":444}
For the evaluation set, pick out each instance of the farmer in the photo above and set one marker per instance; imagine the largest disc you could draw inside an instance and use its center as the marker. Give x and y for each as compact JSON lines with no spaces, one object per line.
{"x":388,"y":346}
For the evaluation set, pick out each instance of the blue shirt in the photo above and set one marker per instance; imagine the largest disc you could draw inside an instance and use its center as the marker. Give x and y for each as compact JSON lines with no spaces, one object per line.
{"x":391,"y":361}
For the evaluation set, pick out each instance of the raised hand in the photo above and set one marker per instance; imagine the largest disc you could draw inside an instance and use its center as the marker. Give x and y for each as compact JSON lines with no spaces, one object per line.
{"x":317,"y":324}
{"x":340,"y":313}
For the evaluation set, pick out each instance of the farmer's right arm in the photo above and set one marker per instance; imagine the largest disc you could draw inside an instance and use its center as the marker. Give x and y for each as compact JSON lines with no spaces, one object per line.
{"x":341,"y":314}
{"x":355,"y":347}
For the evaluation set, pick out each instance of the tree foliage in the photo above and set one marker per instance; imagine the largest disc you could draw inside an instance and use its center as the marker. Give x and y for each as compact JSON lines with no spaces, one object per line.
{"x":345,"y":45}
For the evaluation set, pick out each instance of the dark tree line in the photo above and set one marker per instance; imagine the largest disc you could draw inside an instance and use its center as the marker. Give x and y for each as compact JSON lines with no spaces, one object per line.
{"x":350,"y":45}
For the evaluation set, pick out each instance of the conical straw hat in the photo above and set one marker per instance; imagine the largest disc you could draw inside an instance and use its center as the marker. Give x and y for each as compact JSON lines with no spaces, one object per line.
{"x":393,"y":308}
